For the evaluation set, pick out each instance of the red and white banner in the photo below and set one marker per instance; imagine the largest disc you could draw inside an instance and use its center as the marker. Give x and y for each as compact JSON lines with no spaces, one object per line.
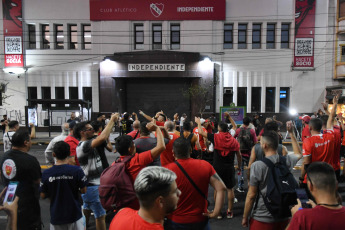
{"x":304,"y":33}
{"x":102,"y":10}
{"x":13,"y":33}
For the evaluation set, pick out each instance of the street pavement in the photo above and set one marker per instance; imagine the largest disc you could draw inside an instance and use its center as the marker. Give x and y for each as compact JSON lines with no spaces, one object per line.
{"x":40,"y":145}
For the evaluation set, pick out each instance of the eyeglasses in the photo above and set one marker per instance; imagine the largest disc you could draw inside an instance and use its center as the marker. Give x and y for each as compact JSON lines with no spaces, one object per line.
{"x":90,"y":129}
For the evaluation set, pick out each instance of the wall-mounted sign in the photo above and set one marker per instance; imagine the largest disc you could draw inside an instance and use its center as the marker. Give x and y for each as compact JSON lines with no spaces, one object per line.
{"x":304,"y":33}
{"x":156,"y":67}
{"x":237,"y":113}
{"x":13,"y":33}
{"x":102,"y":10}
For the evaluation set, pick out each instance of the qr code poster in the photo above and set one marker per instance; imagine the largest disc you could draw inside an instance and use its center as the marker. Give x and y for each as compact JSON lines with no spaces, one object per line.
{"x":13,"y":45}
{"x":304,"y":47}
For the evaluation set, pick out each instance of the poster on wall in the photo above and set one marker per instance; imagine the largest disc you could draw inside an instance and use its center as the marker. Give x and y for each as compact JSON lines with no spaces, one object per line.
{"x":13,"y":33}
{"x":237,"y":113}
{"x":102,"y":10}
{"x":304,"y":33}
{"x":32,"y":116}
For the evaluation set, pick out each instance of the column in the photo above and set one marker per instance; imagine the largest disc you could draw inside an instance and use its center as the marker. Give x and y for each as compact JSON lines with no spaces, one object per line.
{"x":235,"y":84}
{"x":249,"y":92}
{"x":263,"y":93}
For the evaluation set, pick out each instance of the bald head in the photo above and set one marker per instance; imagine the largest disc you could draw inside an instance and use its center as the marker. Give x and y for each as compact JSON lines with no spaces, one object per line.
{"x":169,"y":125}
{"x":268,"y":120}
{"x":65,"y":128}
{"x":136,"y":124}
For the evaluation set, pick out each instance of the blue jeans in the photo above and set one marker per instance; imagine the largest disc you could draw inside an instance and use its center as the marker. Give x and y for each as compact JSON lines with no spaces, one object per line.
{"x":171,"y":225}
{"x":240,"y":178}
{"x":92,"y":202}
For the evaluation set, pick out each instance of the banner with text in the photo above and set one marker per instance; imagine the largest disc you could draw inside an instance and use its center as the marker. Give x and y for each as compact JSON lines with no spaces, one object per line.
{"x":304,"y":33}
{"x":13,"y":33}
{"x":236,"y":113}
{"x":102,"y":10}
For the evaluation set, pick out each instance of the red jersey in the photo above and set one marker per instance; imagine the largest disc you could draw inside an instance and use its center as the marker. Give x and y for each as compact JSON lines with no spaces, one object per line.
{"x":320,"y":147}
{"x":73,"y":143}
{"x":133,"y":133}
{"x":167,"y":155}
{"x":201,"y":139}
{"x":191,"y":204}
{"x":160,"y":123}
{"x":318,"y":218}
{"x":337,"y":146}
{"x":129,"y":219}
{"x":209,"y":128}
{"x":305,"y":132}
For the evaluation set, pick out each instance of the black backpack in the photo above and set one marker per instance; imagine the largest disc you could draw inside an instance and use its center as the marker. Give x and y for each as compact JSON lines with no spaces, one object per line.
{"x":245,"y":140}
{"x":281,"y":186}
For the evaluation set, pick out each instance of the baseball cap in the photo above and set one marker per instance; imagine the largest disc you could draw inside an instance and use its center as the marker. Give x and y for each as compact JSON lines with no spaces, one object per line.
{"x":72,"y":124}
{"x":305,"y":118}
{"x":202,"y":121}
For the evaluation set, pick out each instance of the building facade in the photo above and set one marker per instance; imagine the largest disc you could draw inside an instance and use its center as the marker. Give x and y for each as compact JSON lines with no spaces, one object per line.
{"x":252,"y":51}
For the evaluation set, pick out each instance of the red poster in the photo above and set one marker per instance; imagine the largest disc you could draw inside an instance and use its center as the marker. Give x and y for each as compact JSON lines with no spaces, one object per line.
{"x":304,"y":33}
{"x":13,"y":33}
{"x":102,"y":10}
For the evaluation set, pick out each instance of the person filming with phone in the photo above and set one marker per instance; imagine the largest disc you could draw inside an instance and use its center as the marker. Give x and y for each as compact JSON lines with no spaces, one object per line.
{"x":327,"y":212}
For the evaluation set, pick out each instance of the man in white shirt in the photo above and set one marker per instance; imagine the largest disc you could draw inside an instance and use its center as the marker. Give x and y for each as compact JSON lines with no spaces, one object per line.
{"x":49,"y":150}
{"x":13,"y":126}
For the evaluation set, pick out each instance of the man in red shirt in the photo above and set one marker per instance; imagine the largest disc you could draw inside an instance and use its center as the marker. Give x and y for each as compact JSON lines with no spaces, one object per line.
{"x":136,"y":130}
{"x":158,"y":195}
{"x":202,"y":140}
{"x":125,"y":147}
{"x":319,"y":147}
{"x":305,"y":131}
{"x":327,"y":213}
{"x":167,"y":155}
{"x":160,"y":117}
{"x":192,"y":207}
{"x":73,"y":143}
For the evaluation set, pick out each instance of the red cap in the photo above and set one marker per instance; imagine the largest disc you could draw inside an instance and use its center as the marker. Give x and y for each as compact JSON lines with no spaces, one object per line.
{"x":305,"y":118}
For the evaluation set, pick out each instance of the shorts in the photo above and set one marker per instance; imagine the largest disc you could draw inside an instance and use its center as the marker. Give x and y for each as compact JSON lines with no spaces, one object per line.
{"x":227,"y":174}
{"x":92,"y":202}
{"x":258,"y":225}
{"x":78,"y":225}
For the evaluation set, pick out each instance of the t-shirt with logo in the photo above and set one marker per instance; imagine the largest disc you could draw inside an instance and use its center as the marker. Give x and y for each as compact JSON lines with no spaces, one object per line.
{"x":7,"y":139}
{"x":129,"y":219}
{"x":24,"y":168}
{"x":90,"y":162}
{"x":191,"y":204}
{"x":126,"y":126}
{"x":320,"y":147}
{"x":305,"y":132}
{"x":201,"y":139}
{"x":337,"y":146}
{"x":61,"y":184}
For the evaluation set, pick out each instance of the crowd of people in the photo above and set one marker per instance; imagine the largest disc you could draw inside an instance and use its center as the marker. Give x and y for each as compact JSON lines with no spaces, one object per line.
{"x":161,"y":177}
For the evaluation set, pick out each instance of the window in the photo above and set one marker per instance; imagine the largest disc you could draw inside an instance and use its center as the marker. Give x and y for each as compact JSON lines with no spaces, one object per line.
{"x":285,"y":36}
{"x":228,"y":36}
{"x":59,"y":37}
{"x":157,"y":37}
{"x":284,"y":96}
{"x":32,"y":94}
{"x":32,"y":36}
{"x":73,"y":93}
{"x":242,"y":36}
{"x":270,"y":99}
{"x":228,"y":96}
{"x":175,"y":36}
{"x":60,"y":94}
{"x":270,"y":42}
{"x":45,"y":37}
{"x":256,"y":40}
{"x":342,"y":53}
{"x":242,"y":96}
{"x":341,"y":8}
{"x":46,"y":94}
{"x":138,"y":36}
{"x":256,"y":99}
{"x":87,"y":94}
{"x":86,"y":37}
{"x":72,"y":37}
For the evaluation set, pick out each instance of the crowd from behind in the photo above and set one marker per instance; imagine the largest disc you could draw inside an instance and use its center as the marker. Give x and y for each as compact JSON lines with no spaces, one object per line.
{"x":164,"y":167}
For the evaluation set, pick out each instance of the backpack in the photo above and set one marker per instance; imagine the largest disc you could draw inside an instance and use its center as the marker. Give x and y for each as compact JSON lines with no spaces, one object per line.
{"x":281,"y":186}
{"x":116,"y":187}
{"x":245,"y":140}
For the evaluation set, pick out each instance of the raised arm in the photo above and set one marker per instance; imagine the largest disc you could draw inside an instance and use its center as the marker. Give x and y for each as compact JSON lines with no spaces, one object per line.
{"x":295,"y":146}
{"x":146,"y":116}
{"x":200,"y":130}
{"x":332,"y":114}
{"x":160,"y":147}
{"x":33,"y":131}
{"x":135,"y":116}
{"x":106,"y":132}
{"x":233,"y":123}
